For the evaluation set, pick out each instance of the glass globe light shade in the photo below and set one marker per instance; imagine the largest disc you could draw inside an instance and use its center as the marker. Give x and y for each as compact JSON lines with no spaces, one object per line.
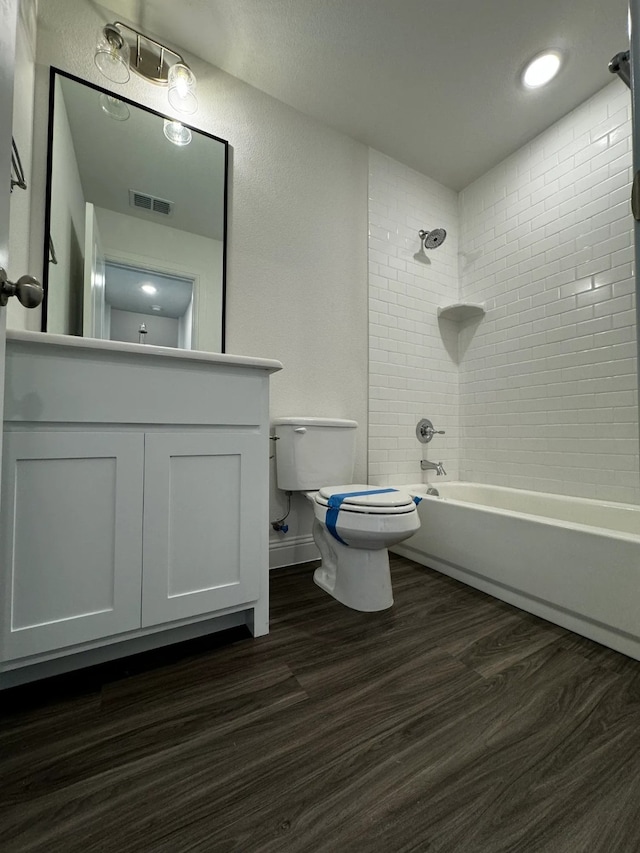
{"x":182,"y":84}
{"x":176,"y":132}
{"x":114,"y":107}
{"x":112,"y":55}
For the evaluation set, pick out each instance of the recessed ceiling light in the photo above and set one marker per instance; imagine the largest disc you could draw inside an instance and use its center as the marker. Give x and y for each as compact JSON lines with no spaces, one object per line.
{"x":149,"y":288}
{"x":541,"y":69}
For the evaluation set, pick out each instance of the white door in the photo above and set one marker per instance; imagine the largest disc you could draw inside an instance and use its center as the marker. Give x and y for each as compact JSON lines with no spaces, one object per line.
{"x":8,"y":19}
{"x":94,"y":308}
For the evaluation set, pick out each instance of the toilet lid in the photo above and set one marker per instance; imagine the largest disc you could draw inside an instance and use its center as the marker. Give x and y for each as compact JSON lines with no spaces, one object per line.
{"x":358,"y":497}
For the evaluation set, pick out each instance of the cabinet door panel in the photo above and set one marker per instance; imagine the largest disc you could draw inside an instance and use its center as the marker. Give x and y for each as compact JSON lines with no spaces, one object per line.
{"x":72,"y":534}
{"x":201,"y":552}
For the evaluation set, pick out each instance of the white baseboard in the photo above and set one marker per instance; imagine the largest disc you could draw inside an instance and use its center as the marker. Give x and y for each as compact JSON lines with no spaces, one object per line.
{"x":291,"y":550}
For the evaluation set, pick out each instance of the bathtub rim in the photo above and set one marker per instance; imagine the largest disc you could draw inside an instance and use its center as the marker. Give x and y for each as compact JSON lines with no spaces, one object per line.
{"x":420,"y":489}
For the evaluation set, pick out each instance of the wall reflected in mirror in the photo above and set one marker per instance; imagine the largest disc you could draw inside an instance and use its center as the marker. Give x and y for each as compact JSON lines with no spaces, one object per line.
{"x":136,"y":218}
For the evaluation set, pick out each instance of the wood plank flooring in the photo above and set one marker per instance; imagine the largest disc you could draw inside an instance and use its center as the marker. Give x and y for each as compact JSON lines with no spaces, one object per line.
{"x":452,"y":723}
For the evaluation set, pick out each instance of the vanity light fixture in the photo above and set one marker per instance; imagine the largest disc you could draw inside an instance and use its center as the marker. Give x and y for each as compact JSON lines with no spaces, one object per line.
{"x":176,"y":132}
{"x":149,"y":288}
{"x":120,"y":49}
{"x":541,"y":69}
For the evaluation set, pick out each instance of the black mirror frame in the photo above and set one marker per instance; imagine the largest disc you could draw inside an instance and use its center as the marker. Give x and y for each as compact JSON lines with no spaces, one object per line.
{"x":47,"y":220}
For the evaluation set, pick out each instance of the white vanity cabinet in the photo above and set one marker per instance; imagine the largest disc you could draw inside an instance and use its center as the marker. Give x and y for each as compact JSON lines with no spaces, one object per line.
{"x":134,"y":499}
{"x":71,"y":538}
{"x":201,"y":509}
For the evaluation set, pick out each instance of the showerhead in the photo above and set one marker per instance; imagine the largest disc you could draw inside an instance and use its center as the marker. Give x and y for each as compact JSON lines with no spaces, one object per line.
{"x":432,"y":239}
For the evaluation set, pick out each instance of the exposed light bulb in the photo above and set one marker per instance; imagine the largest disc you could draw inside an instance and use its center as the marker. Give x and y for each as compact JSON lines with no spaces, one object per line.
{"x":149,"y":288}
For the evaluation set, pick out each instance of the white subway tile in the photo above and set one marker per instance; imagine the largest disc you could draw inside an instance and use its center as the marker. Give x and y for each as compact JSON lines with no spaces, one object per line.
{"x":557,"y":345}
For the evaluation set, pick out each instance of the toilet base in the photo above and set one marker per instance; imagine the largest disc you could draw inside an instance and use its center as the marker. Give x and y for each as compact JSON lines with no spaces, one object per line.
{"x":358,"y":578}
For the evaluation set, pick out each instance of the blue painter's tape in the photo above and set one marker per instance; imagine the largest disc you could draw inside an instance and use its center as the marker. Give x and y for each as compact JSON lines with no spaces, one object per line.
{"x":331,"y":520}
{"x":335,"y":502}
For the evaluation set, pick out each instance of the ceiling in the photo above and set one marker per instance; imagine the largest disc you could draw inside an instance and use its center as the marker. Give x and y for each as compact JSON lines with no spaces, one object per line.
{"x":123,"y":291}
{"x":434,"y":85}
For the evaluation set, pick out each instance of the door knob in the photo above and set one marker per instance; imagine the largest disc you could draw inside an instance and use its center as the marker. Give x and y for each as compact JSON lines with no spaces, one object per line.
{"x":27,"y":288}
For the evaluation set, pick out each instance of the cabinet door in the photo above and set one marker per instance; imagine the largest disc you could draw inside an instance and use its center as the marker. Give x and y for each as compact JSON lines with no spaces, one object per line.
{"x":72,"y":538}
{"x":203,"y":502}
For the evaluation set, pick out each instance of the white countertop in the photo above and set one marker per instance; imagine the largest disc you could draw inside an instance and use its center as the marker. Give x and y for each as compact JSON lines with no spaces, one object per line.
{"x":271,"y":365}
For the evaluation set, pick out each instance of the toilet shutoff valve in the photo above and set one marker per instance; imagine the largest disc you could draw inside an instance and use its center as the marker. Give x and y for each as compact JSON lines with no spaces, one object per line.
{"x":279,"y":524}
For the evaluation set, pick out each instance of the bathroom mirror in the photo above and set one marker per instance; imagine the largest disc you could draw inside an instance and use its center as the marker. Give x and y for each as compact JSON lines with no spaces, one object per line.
{"x":135,"y":244}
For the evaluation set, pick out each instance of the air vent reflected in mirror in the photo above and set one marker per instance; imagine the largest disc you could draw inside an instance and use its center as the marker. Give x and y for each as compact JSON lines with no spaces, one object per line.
{"x":144,"y":201}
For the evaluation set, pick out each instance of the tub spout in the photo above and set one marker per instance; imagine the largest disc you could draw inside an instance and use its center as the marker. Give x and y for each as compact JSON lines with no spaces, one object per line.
{"x":438,"y":467}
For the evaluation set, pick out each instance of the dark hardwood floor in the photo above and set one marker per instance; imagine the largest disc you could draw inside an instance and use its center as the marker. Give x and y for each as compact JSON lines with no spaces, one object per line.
{"x":452,"y":722}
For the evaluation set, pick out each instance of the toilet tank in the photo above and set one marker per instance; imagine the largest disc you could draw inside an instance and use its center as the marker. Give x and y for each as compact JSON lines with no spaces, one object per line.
{"x":314,"y":452}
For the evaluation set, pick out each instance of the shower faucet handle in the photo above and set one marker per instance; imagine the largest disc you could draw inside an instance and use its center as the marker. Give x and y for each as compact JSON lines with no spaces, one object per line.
{"x":425,"y":431}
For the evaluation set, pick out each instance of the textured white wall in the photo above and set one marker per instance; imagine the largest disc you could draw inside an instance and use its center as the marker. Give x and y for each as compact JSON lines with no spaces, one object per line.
{"x":412,"y":360}
{"x":297,"y":261}
{"x":161,"y":331}
{"x":548,"y":382}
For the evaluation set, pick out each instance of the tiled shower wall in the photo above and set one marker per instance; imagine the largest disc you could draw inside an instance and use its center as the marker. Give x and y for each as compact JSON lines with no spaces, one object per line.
{"x":541,"y":392}
{"x":411,"y":372}
{"x":548,"y":377}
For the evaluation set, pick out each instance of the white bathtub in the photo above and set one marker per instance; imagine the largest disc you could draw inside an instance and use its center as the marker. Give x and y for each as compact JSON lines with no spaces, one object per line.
{"x":572,"y":561}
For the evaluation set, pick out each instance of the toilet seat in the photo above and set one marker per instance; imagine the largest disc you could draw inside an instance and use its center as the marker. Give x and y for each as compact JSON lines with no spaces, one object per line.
{"x":365,"y":517}
{"x":360,"y":498}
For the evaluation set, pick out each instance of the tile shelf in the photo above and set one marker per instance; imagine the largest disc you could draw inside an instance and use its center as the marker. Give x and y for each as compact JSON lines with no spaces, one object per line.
{"x":461,"y":311}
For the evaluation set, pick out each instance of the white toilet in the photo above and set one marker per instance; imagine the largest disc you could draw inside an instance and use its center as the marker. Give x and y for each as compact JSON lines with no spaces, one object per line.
{"x":354,"y":523}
